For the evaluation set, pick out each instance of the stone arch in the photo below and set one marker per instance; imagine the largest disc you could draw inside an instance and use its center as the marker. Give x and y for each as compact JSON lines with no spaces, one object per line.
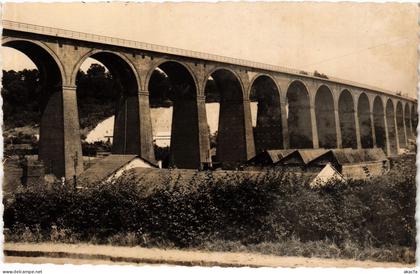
{"x":407,"y":122}
{"x":39,"y":53}
{"x":392,"y":131}
{"x":118,"y":64}
{"x":414,"y":118}
{"x":325,"y":119}
{"x":363,"y":113}
{"x":379,"y":122}
{"x":126,"y":137}
{"x":400,"y":125}
{"x":234,"y":125}
{"x":347,"y":120}
{"x":52,"y":137}
{"x":268,"y":131}
{"x":298,"y":115}
{"x":177,"y":63}
{"x":171,"y":83}
{"x":228,"y":71}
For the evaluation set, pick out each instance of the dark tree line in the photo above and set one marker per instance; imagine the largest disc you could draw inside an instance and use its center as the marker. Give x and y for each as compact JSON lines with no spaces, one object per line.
{"x":21,"y":97}
{"x":97,"y":94}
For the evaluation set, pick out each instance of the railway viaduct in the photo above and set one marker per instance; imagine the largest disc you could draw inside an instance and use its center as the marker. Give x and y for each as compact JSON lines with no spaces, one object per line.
{"x":295,"y":109}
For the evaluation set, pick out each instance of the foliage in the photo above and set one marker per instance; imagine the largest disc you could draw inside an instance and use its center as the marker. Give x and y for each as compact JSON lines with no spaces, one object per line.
{"x":162,"y":154}
{"x":21,"y":97}
{"x":268,"y":209}
{"x":320,"y":75}
{"x":91,"y":150}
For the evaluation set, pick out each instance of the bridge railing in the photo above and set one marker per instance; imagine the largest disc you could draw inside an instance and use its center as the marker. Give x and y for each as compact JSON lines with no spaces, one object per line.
{"x":25,"y":27}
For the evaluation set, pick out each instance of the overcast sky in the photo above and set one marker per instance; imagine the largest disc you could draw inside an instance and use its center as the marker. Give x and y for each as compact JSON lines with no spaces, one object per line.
{"x":373,"y":44}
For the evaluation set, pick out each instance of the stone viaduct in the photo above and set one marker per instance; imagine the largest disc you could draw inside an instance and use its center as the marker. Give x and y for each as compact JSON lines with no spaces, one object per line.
{"x":295,"y":109}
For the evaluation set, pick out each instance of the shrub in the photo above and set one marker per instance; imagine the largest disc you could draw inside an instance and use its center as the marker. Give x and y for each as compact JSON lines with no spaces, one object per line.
{"x":272,"y":207}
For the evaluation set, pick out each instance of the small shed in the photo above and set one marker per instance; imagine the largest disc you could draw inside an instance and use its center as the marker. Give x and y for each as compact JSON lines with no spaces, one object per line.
{"x":327,"y":174}
{"x":268,"y":158}
{"x":299,"y":159}
{"x":354,"y":163}
{"x":112,"y":167}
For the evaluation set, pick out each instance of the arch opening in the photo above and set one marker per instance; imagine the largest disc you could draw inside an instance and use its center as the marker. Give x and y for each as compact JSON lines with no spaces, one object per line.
{"x":268,"y":127}
{"x":224,"y":87}
{"x":347,"y":120}
{"x":45,"y":92}
{"x":363,"y":111}
{"x":299,"y":116}
{"x":400,"y":125}
{"x":21,"y":91}
{"x":379,"y":123}
{"x":407,"y":122}
{"x":392,"y":131}
{"x":110,"y":82}
{"x":325,"y":119}
{"x":414,"y":119}
{"x":173,"y":103}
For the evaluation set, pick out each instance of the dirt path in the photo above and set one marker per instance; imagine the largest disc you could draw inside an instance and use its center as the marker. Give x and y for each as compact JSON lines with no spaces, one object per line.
{"x":104,"y":254}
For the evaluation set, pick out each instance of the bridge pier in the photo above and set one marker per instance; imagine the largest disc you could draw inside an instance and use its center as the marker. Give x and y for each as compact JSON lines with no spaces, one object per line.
{"x":406,"y":133}
{"x":337,"y":125}
{"x":315,"y":141}
{"x":372,"y":122}
{"x":268,"y":131}
{"x":133,"y":127}
{"x":235,"y":141}
{"x":357,"y":125}
{"x":285,"y":128}
{"x":59,"y":146}
{"x":387,"y":134}
{"x":397,"y":133}
{"x":203,"y":132}
{"x":185,"y":135}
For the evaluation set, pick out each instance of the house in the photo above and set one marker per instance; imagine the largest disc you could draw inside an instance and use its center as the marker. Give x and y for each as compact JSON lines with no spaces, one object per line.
{"x":267,"y":158}
{"x":354,"y":163}
{"x":298,"y":159}
{"x":327,"y":174}
{"x":110,"y":168}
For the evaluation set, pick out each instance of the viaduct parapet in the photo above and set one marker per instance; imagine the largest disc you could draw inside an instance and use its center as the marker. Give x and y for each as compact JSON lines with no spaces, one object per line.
{"x":295,"y":109}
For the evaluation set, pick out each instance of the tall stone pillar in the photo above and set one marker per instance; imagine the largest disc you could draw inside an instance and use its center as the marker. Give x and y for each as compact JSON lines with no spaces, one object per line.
{"x":204,"y":131}
{"x":190,"y":139}
{"x":314,"y":127}
{"x":268,"y":130}
{"x":357,"y":126}
{"x":405,"y":130}
{"x":249,"y":134}
{"x":235,"y":141}
{"x":372,"y":126}
{"x":337,"y":125}
{"x":133,"y":127}
{"x":284,"y":125}
{"x":397,"y":137}
{"x":411,"y":126}
{"x":146,"y":131}
{"x":388,"y":141}
{"x":185,"y":148}
{"x":59,"y":145}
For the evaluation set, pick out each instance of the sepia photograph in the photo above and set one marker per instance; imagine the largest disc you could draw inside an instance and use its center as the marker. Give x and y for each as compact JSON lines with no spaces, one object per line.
{"x":228,"y":134}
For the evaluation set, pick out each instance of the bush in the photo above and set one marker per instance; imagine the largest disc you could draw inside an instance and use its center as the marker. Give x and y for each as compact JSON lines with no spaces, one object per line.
{"x":272,"y":207}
